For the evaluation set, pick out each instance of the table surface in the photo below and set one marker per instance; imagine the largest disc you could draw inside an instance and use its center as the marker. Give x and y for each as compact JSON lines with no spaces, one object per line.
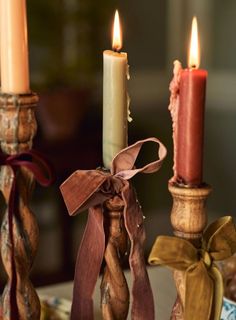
{"x":162,"y":285}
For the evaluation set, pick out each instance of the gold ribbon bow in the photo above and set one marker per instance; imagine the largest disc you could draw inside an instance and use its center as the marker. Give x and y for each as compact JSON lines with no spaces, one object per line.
{"x":203,"y":280}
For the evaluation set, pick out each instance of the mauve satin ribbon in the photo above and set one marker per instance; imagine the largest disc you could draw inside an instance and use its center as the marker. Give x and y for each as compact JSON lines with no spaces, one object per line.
{"x":90,"y":189}
{"x":42,"y":172}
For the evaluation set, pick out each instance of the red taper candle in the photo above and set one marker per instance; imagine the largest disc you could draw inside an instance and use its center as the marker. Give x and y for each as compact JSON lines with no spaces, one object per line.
{"x":189,"y":117}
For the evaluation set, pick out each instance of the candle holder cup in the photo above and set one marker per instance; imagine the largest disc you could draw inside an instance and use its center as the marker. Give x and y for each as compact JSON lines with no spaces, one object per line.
{"x":189,"y":219}
{"x":19,"y":234}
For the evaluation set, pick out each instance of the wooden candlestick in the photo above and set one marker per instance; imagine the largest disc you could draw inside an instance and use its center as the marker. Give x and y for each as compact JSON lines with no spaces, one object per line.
{"x":189,"y":219}
{"x":17,"y":129}
{"x":113,"y":210}
{"x":114,"y":288}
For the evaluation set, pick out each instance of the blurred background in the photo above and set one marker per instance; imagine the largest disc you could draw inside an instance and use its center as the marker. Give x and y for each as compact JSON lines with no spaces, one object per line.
{"x":67,"y":38}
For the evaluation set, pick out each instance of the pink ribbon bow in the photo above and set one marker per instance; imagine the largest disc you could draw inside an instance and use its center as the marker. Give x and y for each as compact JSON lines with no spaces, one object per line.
{"x":90,"y":189}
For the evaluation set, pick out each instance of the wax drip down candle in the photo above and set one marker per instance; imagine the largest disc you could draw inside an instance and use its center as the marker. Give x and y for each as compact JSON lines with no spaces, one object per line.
{"x":187,"y":106}
{"x":14,"y":47}
{"x":115,"y":97}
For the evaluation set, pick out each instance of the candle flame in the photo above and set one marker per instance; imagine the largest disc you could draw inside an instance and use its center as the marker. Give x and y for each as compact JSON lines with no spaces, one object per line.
{"x":194,"y":51}
{"x":117,"y":37}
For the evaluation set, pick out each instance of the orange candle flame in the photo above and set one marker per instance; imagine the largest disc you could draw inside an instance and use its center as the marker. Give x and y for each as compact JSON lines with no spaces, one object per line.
{"x":117,"y":37}
{"x":194,"y":50}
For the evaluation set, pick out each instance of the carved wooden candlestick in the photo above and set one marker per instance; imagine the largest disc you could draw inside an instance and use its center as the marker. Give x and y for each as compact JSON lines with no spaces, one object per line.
{"x":189,"y":219}
{"x":114,"y":288}
{"x":18,"y":248}
{"x":115,"y":219}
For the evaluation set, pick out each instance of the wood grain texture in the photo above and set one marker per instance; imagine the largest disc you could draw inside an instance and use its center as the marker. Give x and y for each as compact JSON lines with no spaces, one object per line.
{"x":114,"y":288}
{"x":189,"y":219}
{"x":17,"y":129}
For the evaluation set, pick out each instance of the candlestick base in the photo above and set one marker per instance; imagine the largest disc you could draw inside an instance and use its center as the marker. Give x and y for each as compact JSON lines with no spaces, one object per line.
{"x":189,"y":219}
{"x":19,"y":233}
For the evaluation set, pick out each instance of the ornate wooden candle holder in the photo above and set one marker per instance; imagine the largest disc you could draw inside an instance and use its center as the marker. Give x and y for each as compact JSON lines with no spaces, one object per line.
{"x":114,"y":219}
{"x":19,"y":233}
{"x":192,"y":254}
{"x":189,"y":219}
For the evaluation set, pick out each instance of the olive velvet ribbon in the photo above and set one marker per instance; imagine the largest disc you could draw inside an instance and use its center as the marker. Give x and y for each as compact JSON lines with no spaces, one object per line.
{"x":42,"y":172}
{"x":90,"y":189}
{"x":203,"y":280}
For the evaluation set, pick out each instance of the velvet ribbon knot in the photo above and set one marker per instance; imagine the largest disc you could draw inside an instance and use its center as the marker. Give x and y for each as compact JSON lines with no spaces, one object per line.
{"x":90,"y":189}
{"x":34,"y":162}
{"x":203,"y":280}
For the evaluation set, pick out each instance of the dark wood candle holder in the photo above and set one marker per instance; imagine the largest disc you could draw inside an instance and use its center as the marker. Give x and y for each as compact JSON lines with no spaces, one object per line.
{"x":19,"y":235}
{"x":189,"y":219}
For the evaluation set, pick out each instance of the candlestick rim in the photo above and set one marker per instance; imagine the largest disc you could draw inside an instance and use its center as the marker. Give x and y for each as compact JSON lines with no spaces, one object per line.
{"x":184,"y":191}
{"x":30,"y":93}
{"x":11,"y":100}
{"x":181,"y":185}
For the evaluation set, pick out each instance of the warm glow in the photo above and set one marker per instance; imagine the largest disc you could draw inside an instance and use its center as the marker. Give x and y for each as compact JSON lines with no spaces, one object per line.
{"x":194,"y":51}
{"x":117,"y":37}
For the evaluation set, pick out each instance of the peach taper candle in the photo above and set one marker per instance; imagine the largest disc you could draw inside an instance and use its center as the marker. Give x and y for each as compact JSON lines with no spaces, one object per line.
{"x":14,"y":47}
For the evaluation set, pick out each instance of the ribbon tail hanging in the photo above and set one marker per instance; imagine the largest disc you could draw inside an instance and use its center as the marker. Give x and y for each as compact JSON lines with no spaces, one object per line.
{"x":12,"y":207}
{"x":218,"y":292}
{"x":88,"y":265}
{"x":199,"y":293}
{"x":143,"y":302}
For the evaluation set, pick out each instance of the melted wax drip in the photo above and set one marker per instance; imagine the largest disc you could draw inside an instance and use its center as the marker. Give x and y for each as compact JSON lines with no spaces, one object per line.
{"x":174,"y":109}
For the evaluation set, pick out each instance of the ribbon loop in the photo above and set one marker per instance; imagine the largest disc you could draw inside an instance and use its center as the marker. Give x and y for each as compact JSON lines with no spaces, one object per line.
{"x":123,"y":163}
{"x":33,"y":161}
{"x":203,"y":282}
{"x":93,"y":187}
{"x":219,"y":238}
{"x":90,"y":189}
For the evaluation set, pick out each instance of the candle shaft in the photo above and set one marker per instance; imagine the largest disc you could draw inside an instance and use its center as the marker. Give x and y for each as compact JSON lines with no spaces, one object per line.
{"x":14,"y":47}
{"x":115,"y":104}
{"x":190,"y":133}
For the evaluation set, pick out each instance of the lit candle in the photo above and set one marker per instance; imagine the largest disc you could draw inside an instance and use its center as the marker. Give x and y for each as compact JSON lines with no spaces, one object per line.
{"x":115,"y":97}
{"x":14,"y":47}
{"x":187,"y":107}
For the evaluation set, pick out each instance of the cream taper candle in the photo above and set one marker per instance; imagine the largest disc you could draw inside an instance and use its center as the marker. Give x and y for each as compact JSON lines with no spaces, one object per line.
{"x":115,"y":98}
{"x":14,"y":47}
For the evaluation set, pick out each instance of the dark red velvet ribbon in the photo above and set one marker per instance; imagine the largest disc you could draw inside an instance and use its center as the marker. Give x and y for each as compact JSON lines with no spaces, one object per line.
{"x":90,"y":189}
{"x":34,"y":162}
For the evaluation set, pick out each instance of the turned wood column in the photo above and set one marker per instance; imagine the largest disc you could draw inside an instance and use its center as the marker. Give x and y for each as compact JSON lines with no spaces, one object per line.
{"x":189,"y":219}
{"x":19,"y":234}
{"x":114,"y":288}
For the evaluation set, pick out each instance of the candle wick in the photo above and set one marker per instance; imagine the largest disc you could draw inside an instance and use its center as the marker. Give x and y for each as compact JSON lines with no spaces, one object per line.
{"x":116,"y":50}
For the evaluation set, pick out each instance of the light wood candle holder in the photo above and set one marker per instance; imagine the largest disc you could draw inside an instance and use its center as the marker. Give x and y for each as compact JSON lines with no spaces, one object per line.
{"x":189,"y":219}
{"x":18,"y":248}
{"x":114,"y":288}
